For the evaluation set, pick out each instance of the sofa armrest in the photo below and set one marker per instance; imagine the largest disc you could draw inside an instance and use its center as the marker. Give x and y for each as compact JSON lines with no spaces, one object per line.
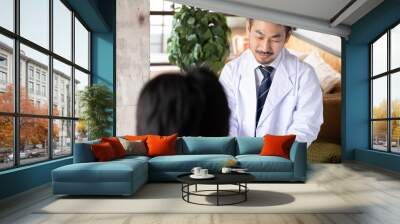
{"x":83,"y":152}
{"x":298,"y":155}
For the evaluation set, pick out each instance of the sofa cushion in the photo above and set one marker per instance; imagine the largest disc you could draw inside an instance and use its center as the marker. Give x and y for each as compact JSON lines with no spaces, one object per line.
{"x":277,"y":145}
{"x":185,"y":163}
{"x":249,"y":145}
{"x":116,"y":145}
{"x":103,"y":152}
{"x":83,"y":152}
{"x":257,"y":163}
{"x":206,"y":145}
{"x":161,"y":145}
{"x":111,"y":171}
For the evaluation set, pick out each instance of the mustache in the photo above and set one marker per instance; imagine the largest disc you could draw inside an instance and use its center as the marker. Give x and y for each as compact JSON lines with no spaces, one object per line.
{"x":264,"y":52}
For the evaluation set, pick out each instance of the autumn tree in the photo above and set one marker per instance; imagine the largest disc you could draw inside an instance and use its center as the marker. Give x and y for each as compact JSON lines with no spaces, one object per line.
{"x":33,"y":131}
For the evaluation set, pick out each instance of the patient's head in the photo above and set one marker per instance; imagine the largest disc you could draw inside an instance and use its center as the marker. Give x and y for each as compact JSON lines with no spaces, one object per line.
{"x":191,"y":104}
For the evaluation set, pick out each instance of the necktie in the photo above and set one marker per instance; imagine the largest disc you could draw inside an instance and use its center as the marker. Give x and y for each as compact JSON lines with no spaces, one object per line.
{"x":263,"y":89}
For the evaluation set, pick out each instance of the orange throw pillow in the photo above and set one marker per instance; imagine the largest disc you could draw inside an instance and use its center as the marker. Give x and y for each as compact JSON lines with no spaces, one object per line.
{"x":116,"y":145}
{"x":103,"y":151}
{"x":161,"y":145}
{"x":135,"y":138}
{"x":277,"y":145}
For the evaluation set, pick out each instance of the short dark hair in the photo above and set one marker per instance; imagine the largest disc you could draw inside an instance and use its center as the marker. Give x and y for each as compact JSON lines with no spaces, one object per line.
{"x":287,"y":28}
{"x":190,"y":104}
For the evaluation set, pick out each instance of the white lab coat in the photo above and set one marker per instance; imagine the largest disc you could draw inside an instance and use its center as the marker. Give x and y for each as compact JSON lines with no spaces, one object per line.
{"x":293,"y":104}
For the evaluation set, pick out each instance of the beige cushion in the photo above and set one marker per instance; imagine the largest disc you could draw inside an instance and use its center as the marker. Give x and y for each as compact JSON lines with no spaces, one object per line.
{"x":137,"y":148}
{"x":327,"y":76}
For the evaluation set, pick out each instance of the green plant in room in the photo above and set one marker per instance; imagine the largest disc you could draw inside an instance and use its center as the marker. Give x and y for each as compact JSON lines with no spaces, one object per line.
{"x":96,"y":102}
{"x":198,"y":37}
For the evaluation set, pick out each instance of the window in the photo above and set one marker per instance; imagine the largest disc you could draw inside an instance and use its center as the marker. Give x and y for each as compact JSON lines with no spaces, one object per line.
{"x":385,"y":95}
{"x":3,"y":72}
{"x":54,"y":126}
{"x":30,"y":87}
{"x":161,"y":13}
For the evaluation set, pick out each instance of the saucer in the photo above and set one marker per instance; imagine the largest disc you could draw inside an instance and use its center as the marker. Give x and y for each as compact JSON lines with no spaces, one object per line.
{"x":208,"y":176}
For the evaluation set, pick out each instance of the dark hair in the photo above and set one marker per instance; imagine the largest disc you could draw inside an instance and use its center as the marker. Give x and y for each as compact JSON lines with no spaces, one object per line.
{"x":191,"y":104}
{"x":169,"y":104}
{"x":287,"y":28}
{"x":215,"y":118}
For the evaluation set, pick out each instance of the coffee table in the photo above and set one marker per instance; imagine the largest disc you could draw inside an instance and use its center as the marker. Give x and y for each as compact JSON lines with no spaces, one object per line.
{"x":238,"y":179}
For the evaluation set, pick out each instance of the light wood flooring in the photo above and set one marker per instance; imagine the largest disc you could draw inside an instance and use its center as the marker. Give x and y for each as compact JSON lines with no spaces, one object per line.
{"x":354,"y":182}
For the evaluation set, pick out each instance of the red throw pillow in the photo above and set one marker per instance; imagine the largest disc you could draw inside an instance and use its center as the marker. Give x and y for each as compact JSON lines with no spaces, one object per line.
{"x":277,"y":145}
{"x":116,"y":145}
{"x":103,"y":151}
{"x":161,"y":145}
{"x":136,"y":138}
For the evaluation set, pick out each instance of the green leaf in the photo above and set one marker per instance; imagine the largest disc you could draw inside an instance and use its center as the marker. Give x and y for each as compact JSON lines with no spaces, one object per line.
{"x":191,"y":21}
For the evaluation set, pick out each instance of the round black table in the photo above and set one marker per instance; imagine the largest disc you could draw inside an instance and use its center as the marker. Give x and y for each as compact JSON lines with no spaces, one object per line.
{"x":238,"y":179}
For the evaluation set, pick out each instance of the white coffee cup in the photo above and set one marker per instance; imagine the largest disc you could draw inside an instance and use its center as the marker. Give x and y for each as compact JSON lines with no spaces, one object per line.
{"x":226,"y":170}
{"x":196,"y":170}
{"x":203,"y":172}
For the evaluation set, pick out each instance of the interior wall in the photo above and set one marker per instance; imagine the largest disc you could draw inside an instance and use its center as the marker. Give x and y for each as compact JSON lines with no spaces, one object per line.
{"x":356,"y":125}
{"x":132,"y":60}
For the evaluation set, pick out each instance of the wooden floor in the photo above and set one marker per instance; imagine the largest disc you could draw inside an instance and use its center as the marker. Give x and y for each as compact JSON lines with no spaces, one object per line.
{"x":354,"y":182}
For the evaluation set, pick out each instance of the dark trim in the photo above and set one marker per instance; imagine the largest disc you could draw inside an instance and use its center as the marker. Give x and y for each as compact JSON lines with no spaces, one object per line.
{"x":16,"y":70}
{"x":385,"y":73}
{"x":161,"y":64}
{"x":350,"y":3}
{"x":115,"y":77}
{"x":50,"y":81}
{"x":389,"y":101}
{"x":162,"y":13}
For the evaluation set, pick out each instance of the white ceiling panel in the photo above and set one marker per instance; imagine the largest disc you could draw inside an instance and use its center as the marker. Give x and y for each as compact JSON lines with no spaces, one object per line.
{"x":327,"y":16}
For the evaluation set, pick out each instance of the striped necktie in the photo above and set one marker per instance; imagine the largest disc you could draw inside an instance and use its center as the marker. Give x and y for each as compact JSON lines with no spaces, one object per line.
{"x":263,"y":89}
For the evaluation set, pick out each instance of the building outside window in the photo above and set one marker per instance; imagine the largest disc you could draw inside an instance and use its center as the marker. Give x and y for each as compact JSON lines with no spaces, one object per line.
{"x":35,"y":52}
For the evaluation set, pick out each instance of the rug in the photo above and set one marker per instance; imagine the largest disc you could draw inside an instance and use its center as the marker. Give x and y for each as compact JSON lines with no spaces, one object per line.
{"x":167,"y":198}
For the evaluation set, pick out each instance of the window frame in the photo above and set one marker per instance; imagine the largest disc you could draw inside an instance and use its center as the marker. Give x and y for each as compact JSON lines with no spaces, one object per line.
{"x":15,"y":72}
{"x":388,"y":74}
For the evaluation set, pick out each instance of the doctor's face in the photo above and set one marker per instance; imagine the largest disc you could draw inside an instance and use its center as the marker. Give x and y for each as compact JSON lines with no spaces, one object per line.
{"x":266,"y":40}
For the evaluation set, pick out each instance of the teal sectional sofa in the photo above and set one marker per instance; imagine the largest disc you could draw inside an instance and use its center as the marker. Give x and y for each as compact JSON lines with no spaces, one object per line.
{"x":125,"y":176}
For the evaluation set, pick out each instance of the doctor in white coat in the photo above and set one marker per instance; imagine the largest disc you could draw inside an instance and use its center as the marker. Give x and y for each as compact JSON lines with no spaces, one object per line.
{"x":269,"y":90}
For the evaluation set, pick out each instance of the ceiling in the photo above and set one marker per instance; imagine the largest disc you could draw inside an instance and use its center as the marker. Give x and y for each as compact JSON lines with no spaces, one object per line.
{"x":326,"y":16}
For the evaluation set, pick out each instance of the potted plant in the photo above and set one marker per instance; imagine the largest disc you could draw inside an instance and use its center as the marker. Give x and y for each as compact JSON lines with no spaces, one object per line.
{"x":198,"y":37}
{"x":96,"y":102}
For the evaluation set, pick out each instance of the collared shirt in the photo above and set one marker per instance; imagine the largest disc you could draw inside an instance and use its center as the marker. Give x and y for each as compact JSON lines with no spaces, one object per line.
{"x":257,"y":71}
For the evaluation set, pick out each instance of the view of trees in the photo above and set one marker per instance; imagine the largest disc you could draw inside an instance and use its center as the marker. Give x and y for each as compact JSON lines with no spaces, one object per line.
{"x":34,"y":131}
{"x":380,"y":127}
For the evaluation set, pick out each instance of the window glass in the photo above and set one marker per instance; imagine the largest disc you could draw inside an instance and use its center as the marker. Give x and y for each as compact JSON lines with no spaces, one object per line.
{"x":62,"y":29}
{"x":34,"y":21}
{"x":6,"y":142}
{"x":7,"y":14}
{"x":6,"y":74}
{"x":395,"y":136}
{"x":379,"y":97}
{"x":62,"y":91}
{"x":379,"y":56}
{"x":395,"y":47}
{"x":379,"y":135}
{"x":31,"y":58}
{"x":62,"y":138}
{"x":81,"y":45}
{"x":81,"y":82}
{"x":395,"y":95}
{"x":33,"y":140}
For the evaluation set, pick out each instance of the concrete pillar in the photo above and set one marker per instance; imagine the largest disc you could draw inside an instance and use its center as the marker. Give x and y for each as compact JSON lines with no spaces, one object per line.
{"x":132,"y":60}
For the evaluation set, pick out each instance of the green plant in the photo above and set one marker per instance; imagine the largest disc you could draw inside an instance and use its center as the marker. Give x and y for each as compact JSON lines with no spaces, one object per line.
{"x":96,"y":102}
{"x":198,"y":37}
